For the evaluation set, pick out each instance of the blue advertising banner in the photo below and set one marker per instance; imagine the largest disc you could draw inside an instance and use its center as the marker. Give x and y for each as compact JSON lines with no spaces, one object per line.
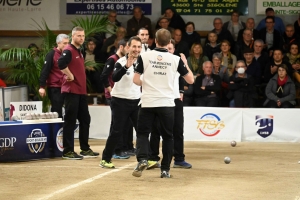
{"x":102,"y":7}
{"x":21,"y":142}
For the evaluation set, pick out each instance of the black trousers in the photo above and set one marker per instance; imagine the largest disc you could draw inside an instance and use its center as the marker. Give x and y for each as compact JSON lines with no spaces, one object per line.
{"x":207,"y":101}
{"x":145,"y":122}
{"x":76,"y":107}
{"x":177,"y":135}
{"x":122,"y":110}
{"x":273,"y":104}
{"x":56,"y":99}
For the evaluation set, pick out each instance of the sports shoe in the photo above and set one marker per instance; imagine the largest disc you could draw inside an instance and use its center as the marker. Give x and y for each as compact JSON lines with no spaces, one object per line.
{"x":89,"y":154}
{"x":153,"y":164}
{"x":165,"y":174}
{"x":71,"y":155}
{"x":182,"y":164}
{"x":137,"y":172}
{"x":131,"y":152}
{"x":121,"y":155}
{"x":105,"y":164}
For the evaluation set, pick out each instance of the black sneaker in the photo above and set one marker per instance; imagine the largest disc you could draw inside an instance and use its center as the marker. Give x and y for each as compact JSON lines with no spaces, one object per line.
{"x":137,"y":172}
{"x":131,"y":152}
{"x":122,"y":155}
{"x":89,"y":154}
{"x":165,"y":174}
{"x":71,"y":155}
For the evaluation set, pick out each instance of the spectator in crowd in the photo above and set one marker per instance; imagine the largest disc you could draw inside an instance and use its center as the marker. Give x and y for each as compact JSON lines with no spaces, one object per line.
{"x":219,"y":69}
{"x":207,"y":87}
{"x":253,"y":67}
{"x":113,"y":23}
{"x":110,"y":45}
{"x":223,"y":34}
{"x":279,"y":25}
{"x":176,"y":21}
{"x":180,"y":45}
{"x":246,"y":43}
{"x":191,"y":36}
{"x":164,"y":22}
{"x":294,"y":59}
{"x":280,"y":90}
{"x":297,"y":26}
{"x":34,"y":50}
{"x":213,"y":46}
{"x":143,"y":34}
{"x":228,"y":59}
{"x":272,"y":67}
{"x":92,"y":71}
{"x":261,"y":56}
{"x":138,"y":21}
{"x":271,"y":37}
{"x":196,"y":59}
{"x":250,"y":24}
{"x":289,"y":37}
{"x":241,"y":87}
{"x":234,"y":25}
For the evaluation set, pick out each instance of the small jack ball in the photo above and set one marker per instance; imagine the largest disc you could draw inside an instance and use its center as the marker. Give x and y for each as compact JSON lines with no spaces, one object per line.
{"x":233,"y":143}
{"x":227,"y":160}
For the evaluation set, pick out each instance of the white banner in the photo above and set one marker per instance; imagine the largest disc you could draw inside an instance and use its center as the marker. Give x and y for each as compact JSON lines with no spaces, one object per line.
{"x":20,"y":109}
{"x":271,"y":125}
{"x":19,"y":14}
{"x":281,"y":7}
{"x":212,"y":124}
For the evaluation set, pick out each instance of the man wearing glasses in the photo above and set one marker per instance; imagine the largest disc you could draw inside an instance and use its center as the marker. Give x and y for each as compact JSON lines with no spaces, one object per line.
{"x":113,"y":23}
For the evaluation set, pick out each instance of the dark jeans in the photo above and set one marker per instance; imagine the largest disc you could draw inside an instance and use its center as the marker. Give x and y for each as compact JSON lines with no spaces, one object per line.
{"x":207,"y":101}
{"x":76,"y":107}
{"x":56,"y":99}
{"x":145,"y":122}
{"x":177,"y":134}
{"x":122,"y":110}
{"x":273,"y":104}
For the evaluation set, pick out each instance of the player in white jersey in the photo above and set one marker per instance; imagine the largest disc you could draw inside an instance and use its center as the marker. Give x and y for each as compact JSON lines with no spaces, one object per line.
{"x":125,"y":99}
{"x":159,"y":69}
{"x":143,"y":34}
{"x":179,"y":157}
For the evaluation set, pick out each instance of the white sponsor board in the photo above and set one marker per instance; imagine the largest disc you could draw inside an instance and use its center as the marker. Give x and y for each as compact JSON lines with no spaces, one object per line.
{"x":20,"y":109}
{"x":19,"y":14}
{"x":281,"y":7}
{"x":271,"y":125}
{"x":212,"y":124}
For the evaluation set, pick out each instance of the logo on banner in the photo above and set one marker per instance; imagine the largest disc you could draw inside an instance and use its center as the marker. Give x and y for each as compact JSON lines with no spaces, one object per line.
{"x":36,"y":141}
{"x":264,"y":124}
{"x":59,"y":140}
{"x":20,"y":2}
{"x":7,"y":144}
{"x":210,"y":124}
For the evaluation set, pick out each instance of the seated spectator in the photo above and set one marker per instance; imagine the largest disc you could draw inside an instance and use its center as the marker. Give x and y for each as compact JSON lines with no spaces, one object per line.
{"x":234,"y":25}
{"x":253,"y":67}
{"x":261,"y":56}
{"x":294,"y":59}
{"x":207,"y":87}
{"x":279,"y":25}
{"x":272,"y":67}
{"x":250,"y":24}
{"x":138,"y":21}
{"x":241,"y":87}
{"x":289,"y":37}
{"x":271,"y":37}
{"x":228,"y":59}
{"x":110,"y":45}
{"x":246,"y":43}
{"x":176,"y":21}
{"x":219,"y":69}
{"x":223,"y":34}
{"x":92,"y":73}
{"x":191,"y":36}
{"x":297,"y":26}
{"x":280,"y":90}
{"x":196,"y":59}
{"x":34,"y":50}
{"x":180,"y":45}
{"x":113,"y":23}
{"x":164,"y":22}
{"x":213,"y":46}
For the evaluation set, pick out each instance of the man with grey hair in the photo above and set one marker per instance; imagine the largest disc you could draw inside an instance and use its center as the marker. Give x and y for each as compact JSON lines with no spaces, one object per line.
{"x":260,"y":56}
{"x":51,"y":76}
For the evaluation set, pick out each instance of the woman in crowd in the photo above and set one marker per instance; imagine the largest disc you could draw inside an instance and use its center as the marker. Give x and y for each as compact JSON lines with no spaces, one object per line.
{"x":294,"y":58}
{"x":191,"y":36}
{"x":280,"y":91}
{"x":196,"y":59}
{"x":228,"y":59}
